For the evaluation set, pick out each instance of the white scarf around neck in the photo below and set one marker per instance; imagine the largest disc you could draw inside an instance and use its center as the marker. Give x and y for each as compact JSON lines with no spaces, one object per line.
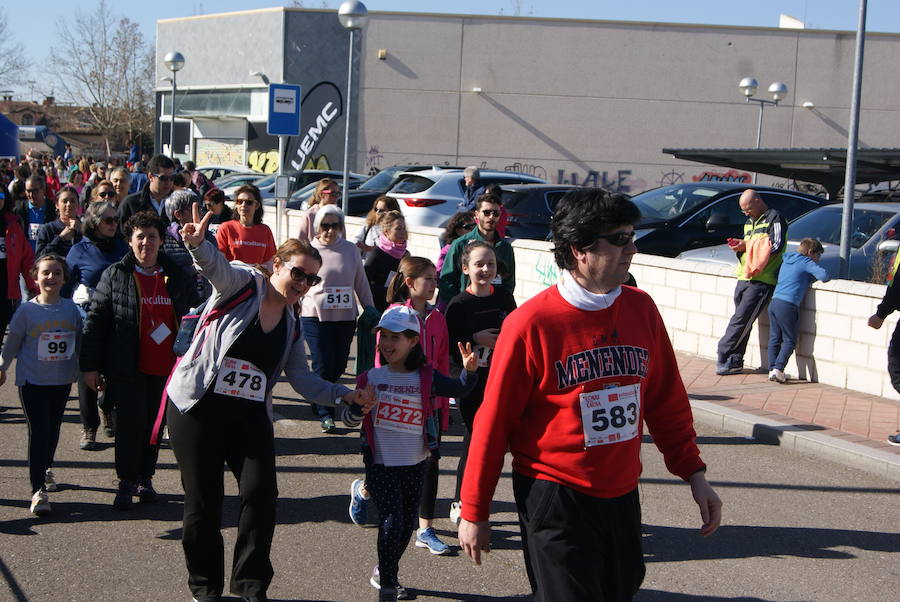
{"x":578,"y":296}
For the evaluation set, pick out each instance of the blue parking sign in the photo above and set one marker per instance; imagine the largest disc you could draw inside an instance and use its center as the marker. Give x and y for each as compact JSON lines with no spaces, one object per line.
{"x":284,"y":110}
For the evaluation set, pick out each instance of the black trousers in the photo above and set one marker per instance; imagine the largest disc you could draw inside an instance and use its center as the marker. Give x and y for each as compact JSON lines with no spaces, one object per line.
{"x":137,"y":403}
{"x":44,"y":406}
{"x":396,"y":491}
{"x":579,"y":548}
{"x":468,"y":407}
{"x":750,"y":298}
{"x":894,"y":359}
{"x":87,"y":405}
{"x":217,"y":430}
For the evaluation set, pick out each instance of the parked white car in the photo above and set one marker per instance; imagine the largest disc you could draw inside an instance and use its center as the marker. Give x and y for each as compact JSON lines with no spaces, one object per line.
{"x":432,"y":197}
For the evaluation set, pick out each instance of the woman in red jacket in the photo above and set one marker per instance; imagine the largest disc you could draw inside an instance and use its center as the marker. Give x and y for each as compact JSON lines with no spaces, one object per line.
{"x":16,"y":259}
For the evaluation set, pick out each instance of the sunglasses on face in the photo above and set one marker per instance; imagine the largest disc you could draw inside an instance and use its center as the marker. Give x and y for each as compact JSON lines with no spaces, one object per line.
{"x":107,"y":194}
{"x":242,"y":201}
{"x":164,"y":178}
{"x":109,"y":220}
{"x":490,"y":212}
{"x":467,"y":226}
{"x":325,"y":226}
{"x":619,"y":239}
{"x":298,"y":275}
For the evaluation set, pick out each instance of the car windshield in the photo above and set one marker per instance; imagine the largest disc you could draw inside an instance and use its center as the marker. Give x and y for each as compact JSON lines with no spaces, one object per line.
{"x":412,"y":184}
{"x":825,"y":225}
{"x":667,"y":202}
{"x":380,"y":181}
{"x":265,"y":182}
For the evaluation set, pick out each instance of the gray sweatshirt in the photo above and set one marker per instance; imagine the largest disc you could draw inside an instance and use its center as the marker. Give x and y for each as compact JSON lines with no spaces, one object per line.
{"x":197,"y":369}
{"x":46,"y":340}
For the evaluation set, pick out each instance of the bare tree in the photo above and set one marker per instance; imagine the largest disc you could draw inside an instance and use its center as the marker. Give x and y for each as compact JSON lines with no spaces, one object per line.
{"x":105,"y":64}
{"x":13,"y":63}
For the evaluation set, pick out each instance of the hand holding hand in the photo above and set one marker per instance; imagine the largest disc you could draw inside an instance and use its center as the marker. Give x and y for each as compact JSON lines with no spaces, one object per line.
{"x":469,"y":357}
{"x":194,"y":232}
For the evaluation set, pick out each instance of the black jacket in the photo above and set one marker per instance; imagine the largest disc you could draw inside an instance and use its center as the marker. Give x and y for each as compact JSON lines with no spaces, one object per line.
{"x":135,"y":203}
{"x":113,"y":326}
{"x":379,"y":266}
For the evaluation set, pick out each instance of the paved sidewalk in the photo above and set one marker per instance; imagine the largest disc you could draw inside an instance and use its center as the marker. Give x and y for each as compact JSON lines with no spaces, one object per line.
{"x":842,"y":425}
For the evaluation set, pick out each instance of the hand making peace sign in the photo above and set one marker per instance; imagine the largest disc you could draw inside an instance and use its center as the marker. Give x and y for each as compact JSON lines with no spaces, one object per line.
{"x":194,"y":232}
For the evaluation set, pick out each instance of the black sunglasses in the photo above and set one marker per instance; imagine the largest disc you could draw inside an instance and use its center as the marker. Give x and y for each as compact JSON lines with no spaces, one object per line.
{"x":619,"y":239}
{"x":297,"y":275}
{"x":107,"y":194}
{"x":164,"y":177}
{"x":490,"y":212}
{"x":330,"y":226}
{"x":467,"y":225}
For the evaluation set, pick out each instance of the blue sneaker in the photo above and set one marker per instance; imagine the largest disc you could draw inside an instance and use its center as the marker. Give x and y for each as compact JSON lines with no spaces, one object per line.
{"x":359,"y":505}
{"x":427,"y":538}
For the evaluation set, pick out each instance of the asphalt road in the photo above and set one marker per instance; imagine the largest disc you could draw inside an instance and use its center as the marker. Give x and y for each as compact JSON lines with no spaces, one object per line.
{"x":795,"y":528}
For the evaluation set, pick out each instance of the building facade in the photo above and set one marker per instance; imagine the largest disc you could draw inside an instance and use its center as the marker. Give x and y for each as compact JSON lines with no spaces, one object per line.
{"x":582,"y":102}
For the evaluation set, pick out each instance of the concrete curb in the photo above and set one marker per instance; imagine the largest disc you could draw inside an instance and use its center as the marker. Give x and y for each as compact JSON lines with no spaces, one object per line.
{"x":800,"y":438}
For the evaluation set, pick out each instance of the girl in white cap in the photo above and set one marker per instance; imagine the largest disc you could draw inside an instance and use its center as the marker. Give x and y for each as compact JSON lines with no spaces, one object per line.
{"x":401,"y":432}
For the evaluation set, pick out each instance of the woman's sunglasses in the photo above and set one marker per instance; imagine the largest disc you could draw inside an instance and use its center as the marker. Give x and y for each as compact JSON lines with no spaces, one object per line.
{"x":467,"y":226}
{"x":298,"y":275}
{"x":326,"y":226}
{"x":106,"y":194}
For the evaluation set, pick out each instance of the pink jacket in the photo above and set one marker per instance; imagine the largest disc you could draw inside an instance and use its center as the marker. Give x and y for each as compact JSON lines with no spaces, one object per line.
{"x":436,"y":344}
{"x":19,"y":258}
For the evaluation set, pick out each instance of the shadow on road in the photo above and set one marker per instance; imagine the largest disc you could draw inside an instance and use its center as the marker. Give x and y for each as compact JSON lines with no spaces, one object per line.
{"x":676,"y":544}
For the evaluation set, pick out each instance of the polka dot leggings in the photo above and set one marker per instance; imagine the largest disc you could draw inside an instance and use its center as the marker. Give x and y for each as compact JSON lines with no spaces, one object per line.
{"x":396,"y":491}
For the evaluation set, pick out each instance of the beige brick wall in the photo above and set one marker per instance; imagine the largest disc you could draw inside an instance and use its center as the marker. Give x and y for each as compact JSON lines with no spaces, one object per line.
{"x":835,"y":346}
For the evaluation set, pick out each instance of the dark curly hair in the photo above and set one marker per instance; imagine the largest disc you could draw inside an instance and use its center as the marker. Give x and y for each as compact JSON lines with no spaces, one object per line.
{"x":144,"y":220}
{"x":582,"y":214}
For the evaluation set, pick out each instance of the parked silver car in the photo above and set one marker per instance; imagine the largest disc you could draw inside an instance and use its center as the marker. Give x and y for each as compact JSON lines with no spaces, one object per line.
{"x":875,"y":227}
{"x":433,"y":196}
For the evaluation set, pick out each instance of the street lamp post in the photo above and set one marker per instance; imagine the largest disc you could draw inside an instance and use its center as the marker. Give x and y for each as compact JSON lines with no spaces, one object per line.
{"x":748,"y":87}
{"x":352,"y":15}
{"x":174,"y":62}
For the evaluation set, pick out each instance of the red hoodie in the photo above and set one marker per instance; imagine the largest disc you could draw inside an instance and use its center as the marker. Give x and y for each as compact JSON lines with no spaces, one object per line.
{"x":548,"y":354}
{"x":19,"y":258}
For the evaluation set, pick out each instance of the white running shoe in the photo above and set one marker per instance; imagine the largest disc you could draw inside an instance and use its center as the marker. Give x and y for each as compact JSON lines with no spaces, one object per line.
{"x":50,"y":481}
{"x":455,"y":512}
{"x":40,"y":503}
{"x":776,"y":375}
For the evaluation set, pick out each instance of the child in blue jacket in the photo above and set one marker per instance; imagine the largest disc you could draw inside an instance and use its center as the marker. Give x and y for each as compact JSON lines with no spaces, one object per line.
{"x":798,"y":271}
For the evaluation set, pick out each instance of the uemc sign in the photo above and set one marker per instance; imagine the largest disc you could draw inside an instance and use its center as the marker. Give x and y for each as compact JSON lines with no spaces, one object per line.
{"x":319,"y":110}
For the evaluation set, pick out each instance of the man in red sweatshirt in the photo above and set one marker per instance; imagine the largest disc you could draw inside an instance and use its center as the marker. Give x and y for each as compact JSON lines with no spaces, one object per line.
{"x":577,"y":371}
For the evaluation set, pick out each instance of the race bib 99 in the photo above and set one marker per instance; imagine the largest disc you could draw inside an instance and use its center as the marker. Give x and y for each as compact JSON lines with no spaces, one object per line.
{"x":610,"y":415}
{"x":56,"y":346}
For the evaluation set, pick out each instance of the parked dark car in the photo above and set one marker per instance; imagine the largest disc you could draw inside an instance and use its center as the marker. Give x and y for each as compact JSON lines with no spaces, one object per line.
{"x":874,"y":225}
{"x":680,"y":217}
{"x":530,"y":207}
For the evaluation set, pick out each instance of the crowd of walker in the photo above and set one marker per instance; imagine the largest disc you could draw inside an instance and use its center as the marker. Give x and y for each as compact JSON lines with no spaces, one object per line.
{"x":171,"y":310}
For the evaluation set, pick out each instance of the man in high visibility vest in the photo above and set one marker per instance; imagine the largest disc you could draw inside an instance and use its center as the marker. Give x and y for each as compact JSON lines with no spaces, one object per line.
{"x":759,"y":252}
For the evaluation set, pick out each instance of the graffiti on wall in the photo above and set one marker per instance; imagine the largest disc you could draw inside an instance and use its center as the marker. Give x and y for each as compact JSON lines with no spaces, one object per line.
{"x":732,"y":175}
{"x":267,"y":161}
{"x":547,"y":272}
{"x":671,"y":177}
{"x":621,"y":181}
{"x":537,"y":171}
{"x":373,"y":160}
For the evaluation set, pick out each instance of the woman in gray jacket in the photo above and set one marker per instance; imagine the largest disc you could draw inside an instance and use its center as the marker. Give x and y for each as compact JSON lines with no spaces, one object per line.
{"x":220,"y":405}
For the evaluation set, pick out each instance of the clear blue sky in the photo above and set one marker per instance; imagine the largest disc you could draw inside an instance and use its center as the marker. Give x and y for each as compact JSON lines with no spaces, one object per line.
{"x":883,"y":15}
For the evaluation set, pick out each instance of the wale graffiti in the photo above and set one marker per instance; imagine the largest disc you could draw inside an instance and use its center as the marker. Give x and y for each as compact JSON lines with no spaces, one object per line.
{"x":621,"y":181}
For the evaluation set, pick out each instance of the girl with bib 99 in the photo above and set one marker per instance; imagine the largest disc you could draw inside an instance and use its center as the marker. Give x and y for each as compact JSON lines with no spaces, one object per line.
{"x":44,"y":335}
